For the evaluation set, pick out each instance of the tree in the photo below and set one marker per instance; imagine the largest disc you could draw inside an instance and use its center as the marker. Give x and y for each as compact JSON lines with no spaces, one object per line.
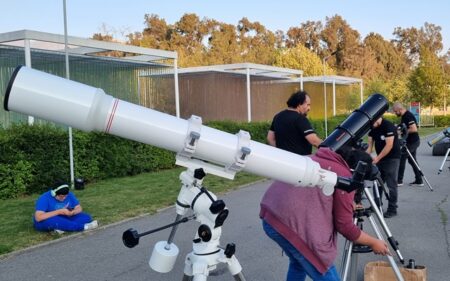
{"x":223,"y":47}
{"x":308,"y":34}
{"x":155,"y":35}
{"x":393,"y":61}
{"x":257,"y":44}
{"x":301,"y":58}
{"x":410,"y":40}
{"x":427,"y":82}
{"x":344,"y":41}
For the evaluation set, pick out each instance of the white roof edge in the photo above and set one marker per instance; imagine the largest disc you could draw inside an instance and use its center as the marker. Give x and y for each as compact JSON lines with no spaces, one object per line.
{"x":78,"y":41}
{"x":333,"y":79}
{"x":240,"y":68}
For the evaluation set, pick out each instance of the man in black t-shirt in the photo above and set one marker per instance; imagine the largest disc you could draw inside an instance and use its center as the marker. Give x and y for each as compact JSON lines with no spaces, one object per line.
{"x":412,"y":143}
{"x":290,"y":129}
{"x":387,"y":146}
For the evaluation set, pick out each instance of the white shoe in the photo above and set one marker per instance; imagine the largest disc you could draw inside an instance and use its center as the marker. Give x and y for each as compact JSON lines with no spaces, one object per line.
{"x":91,"y":225}
{"x":59,"y":231}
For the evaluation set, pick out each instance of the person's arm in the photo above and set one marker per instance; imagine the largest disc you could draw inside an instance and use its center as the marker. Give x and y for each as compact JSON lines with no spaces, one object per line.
{"x":76,"y":210}
{"x":378,"y":246}
{"x":386,"y":149}
{"x":343,"y":221}
{"x":271,"y":138}
{"x":41,"y":215}
{"x":412,"y":128}
{"x":313,"y":139}
{"x":369,"y":145}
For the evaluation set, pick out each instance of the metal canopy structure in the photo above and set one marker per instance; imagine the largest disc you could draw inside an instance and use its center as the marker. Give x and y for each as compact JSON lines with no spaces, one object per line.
{"x":250,"y":69}
{"x":88,"y":50}
{"x":81,"y":46}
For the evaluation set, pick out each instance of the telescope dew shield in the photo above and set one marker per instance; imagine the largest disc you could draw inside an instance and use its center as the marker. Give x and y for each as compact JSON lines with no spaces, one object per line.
{"x":441,"y":136}
{"x":358,"y":123}
{"x":87,"y":108}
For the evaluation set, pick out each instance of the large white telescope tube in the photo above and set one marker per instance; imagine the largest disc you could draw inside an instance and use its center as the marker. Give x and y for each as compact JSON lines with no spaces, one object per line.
{"x":87,"y":108}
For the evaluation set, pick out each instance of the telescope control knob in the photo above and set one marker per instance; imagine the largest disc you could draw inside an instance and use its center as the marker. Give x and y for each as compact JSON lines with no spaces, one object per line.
{"x":230,"y":249}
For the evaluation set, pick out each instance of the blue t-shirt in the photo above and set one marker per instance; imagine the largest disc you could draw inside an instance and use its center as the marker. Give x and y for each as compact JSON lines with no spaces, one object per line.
{"x":47,"y":203}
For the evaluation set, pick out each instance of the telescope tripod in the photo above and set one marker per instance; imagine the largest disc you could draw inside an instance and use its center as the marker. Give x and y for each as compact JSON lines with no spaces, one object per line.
{"x":350,"y":259}
{"x":417,"y":166}
{"x":207,"y":253}
{"x":443,"y":161}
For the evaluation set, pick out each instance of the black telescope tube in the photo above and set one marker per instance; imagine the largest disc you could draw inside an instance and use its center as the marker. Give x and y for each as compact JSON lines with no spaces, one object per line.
{"x":358,"y":123}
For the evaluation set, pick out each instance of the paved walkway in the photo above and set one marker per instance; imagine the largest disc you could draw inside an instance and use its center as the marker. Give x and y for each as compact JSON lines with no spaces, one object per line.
{"x":422,"y":229}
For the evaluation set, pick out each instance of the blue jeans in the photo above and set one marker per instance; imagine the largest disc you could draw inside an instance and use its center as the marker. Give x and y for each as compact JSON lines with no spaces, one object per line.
{"x":299,"y":266}
{"x":64,"y":223}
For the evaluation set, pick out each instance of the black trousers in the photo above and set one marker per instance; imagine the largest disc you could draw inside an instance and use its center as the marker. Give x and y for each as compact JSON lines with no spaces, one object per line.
{"x":412,"y":147}
{"x":389,"y":171}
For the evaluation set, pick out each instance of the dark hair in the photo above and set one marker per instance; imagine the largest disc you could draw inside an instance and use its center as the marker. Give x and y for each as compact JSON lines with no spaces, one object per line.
{"x":296,"y":99}
{"x":353,"y":156}
{"x":61,"y":190}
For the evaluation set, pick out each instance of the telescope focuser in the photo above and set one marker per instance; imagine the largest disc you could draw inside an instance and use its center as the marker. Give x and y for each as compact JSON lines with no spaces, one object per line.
{"x":356,"y":181}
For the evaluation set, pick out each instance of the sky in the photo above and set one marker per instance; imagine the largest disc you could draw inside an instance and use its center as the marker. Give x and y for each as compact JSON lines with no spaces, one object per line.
{"x":86,"y":17}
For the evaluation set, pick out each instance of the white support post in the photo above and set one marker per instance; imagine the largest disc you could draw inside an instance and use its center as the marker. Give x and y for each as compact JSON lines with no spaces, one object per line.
{"x":361,"y":90}
{"x":177,"y":93}
{"x":28,"y":63}
{"x":249,"y":100}
{"x":301,"y":82}
{"x":334,"y":97}
{"x":66,"y":52}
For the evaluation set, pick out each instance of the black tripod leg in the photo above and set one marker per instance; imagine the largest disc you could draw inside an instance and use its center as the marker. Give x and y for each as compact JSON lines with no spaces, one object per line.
{"x":418,"y":168}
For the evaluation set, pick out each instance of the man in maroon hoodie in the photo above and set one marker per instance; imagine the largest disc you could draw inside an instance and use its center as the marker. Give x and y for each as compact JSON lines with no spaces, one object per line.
{"x":305,"y":222}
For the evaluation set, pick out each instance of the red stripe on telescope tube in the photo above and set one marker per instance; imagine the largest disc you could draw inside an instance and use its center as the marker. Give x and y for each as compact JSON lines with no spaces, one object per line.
{"x":111,"y":116}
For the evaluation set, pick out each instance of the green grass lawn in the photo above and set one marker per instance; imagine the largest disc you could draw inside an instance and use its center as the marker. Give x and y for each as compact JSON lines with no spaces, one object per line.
{"x":107,"y":201}
{"x":111,"y":201}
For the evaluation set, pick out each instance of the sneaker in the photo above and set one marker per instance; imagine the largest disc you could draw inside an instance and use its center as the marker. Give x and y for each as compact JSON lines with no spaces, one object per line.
{"x":416,"y":183}
{"x":91,"y":225}
{"x":57,"y":231}
{"x":399,"y":183}
{"x":389,"y":214}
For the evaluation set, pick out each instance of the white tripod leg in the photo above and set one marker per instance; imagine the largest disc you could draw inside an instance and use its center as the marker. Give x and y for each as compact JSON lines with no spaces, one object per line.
{"x":443,"y":161}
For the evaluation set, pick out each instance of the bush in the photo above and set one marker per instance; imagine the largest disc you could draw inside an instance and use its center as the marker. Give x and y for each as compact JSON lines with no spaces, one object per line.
{"x":15,"y":178}
{"x":33,"y":157}
{"x":442,"y":120}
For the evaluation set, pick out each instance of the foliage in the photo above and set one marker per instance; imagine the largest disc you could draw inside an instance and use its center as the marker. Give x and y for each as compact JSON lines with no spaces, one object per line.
{"x":411,"y":40}
{"x":15,"y":178}
{"x":427,"y":82}
{"x":34,"y":157}
{"x":299,"y":57}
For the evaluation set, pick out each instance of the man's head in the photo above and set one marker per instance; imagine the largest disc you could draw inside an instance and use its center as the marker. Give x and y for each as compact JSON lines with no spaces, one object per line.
{"x":353,"y":155}
{"x":398,"y":109}
{"x":60,"y":190}
{"x":300,"y":101}
{"x":377,"y":122}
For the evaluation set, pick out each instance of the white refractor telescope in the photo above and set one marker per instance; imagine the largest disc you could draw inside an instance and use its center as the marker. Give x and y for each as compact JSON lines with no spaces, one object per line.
{"x":53,"y":98}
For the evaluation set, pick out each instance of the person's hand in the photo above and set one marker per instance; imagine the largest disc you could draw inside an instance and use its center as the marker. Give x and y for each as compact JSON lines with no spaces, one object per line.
{"x":375,"y":160}
{"x":380,"y":247}
{"x":65,"y":212}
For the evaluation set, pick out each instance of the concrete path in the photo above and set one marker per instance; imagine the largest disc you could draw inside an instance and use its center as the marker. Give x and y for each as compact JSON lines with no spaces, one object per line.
{"x":422,"y":229}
